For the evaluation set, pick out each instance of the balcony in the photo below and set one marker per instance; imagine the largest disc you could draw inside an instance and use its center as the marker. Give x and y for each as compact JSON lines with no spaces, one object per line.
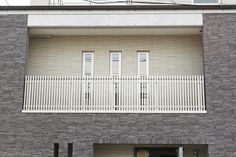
{"x":155,"y":94}
{"x":135,"y":2}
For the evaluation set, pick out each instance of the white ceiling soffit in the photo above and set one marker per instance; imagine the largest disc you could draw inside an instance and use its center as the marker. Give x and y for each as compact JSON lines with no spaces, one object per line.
{"x":37,"y":32}
{"x":107,"y":19}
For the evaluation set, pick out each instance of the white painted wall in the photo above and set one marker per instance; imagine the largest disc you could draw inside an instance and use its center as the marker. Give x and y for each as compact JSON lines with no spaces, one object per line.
{"x":169,"y":55}
{"x":116,"y":19}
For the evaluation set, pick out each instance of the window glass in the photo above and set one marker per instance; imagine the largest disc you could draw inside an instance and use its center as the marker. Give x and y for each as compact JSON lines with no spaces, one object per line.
{"x":88,"y":64}
{"x":115,"y":64}
{"x":143,"y":63}
{"x":115,"y":57}
{"x":143,"y":57}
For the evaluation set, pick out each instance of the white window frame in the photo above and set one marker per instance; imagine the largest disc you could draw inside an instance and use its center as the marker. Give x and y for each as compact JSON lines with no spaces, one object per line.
{"x":111,"y":67}
{"x":92,"y":64}
{"x":138,"y":59}
{"x":217,"y":3}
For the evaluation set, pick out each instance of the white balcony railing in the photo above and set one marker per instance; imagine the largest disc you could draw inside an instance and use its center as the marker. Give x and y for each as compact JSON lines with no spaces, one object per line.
{"x":159,"y":94}
{"x":89,"y":2}
{"x":128,"y":2}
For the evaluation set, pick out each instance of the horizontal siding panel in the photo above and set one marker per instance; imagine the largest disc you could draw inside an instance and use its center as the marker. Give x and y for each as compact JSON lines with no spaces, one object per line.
{"x":169,"y":55}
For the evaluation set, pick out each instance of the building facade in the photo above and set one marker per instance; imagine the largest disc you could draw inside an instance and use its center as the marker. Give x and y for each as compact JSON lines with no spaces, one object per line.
{"x":118,"y":81}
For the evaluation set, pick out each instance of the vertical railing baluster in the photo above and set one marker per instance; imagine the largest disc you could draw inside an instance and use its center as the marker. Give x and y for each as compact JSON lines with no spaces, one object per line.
{"x":53,"y":92}
{"x":156,"y":94}
{"x":72,"y":93}
{"x":45,"y":105}
{"x":40,"y":92}
{"x":182,"y":107}
{"x":83,"y":93}
{"x":76,"y":94}
{"x":56,"y":93}
{"x":198,"y":95}
{"x":185,"y":92}
{"x":62,"y":93}
{"x":170,"y":93}
{"x":95,"y":94}
{"x":25,"y":93}
{"x":50,"y":93}
{"x":165,"y":93}
{"x":38,"y":95}
{"x":193,"y":94}
{"x":98,"y":93}
{"x":69,"y":93}
{"x":177,"y":93}
{"x":33,"y":92}
{"x":203,"y":94}
{"x":190,"y":92}
{"x":79,"y":93}
{"x":102,"y":93}
{"x":160,"y":93}
{"x":127,"y":94}
{"x":29,"y":92}
{"x":201,"y":79}
{"x":64,"y":106}
{"x":59,"y":85}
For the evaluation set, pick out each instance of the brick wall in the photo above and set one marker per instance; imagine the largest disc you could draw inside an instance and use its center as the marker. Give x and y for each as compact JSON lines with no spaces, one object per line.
{"x":34,"y":134}
{"x":13,"y":44}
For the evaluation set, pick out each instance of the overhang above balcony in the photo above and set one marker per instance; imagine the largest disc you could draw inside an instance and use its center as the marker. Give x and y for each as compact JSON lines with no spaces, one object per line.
{"x":110,"y":19}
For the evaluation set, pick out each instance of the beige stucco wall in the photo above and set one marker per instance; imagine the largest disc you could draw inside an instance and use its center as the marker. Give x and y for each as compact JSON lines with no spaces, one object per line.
{"x":169,"y":55}
{"x":128,"y":150}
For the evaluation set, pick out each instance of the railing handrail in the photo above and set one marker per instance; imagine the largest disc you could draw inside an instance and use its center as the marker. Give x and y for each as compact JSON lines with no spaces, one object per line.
{"x":124,"y":76}
{"x":162,"y":77}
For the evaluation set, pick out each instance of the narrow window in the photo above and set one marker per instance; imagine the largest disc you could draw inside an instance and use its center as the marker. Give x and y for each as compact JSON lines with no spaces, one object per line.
{"x":143,"y":70}
{"x":115,"y":63}
{"x":56,"y":149}
{"x":88,"y":63}
{"x":143,"y":63}
{"x":70,"y":149}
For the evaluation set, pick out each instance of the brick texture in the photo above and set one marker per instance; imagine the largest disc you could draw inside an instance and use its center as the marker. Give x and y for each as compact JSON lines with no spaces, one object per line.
{"x":219,"y":36}
{"x":34,"y":134}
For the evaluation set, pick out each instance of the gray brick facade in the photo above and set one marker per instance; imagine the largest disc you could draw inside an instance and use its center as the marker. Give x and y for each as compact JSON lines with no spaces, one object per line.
{"x":25,"y":135}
